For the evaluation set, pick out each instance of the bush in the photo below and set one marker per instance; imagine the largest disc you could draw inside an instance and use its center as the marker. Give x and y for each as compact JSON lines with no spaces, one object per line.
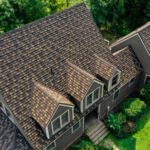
{"x":133,"y":108}
{"x":145,"y":93}
{"x":113,"y":123}
{"x":122,"y":118}
{"x":86,"y":145}
{"x":126,"y":130}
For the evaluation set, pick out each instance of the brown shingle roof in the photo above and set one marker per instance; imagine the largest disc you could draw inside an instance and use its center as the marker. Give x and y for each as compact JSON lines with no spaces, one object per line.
{"x":104,"y":68}
{"x":127,"y":63}
{"x":44,"y":103}
{"x":39,"y":51}
{"x":78,"y":81}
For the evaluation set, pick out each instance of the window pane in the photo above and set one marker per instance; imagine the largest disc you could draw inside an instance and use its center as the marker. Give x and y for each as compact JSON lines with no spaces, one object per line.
{"x":89,"y":99}
{"x":65,"y":118}
{"x":114,"y":80}
{"x":96,"y":94}
{"x":51,"y":146}
{"x":76,"y":126}
{"x":116,"y":95}
{"x":56,"y":124}
{"x":0,"y":105}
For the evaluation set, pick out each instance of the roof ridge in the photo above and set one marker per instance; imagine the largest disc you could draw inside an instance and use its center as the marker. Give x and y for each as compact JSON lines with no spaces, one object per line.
{"x":44,"y":88}
{"x":105,"y":61}
{"x":80,"y":70}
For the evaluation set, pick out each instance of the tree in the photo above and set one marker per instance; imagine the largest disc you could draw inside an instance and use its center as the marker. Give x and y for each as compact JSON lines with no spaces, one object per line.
{"x":8,"y":20}
{"x":35,"y":9}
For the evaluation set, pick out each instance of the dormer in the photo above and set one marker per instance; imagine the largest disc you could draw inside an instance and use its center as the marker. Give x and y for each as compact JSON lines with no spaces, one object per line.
{"x":106,"y":72}
{"x":50,"y":109}
{"x":82,"y":86}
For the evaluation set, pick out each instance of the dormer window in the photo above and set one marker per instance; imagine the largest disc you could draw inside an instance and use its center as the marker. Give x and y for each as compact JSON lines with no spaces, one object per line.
{"x":60,"y":122}
{"x":92,"y":97}
{"x":114,"y":80}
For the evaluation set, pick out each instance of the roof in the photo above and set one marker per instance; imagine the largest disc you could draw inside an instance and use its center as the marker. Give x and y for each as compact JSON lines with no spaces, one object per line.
{"x":144,"y":32}
{"x":78,"y":81}
{"x":38,"y":51}
{"x":103,"y":68}
{"x":127,"y":63}
{"x":10,"y":136}
{"x":45,"y":102}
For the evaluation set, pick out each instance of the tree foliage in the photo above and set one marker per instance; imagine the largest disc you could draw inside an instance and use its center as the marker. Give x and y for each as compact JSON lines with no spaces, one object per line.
{"x":145,"y":93}
{"x":133,"y":108}
{"x":8,"y":20}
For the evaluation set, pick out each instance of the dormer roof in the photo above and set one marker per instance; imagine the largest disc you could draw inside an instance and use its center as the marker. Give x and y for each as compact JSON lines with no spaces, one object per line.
{"x":103,"y":68}
{"x":45,"y":102}
{"x":78,"y":81}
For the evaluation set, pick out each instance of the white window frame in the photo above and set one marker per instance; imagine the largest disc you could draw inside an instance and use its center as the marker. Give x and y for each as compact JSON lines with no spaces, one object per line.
{"x":93,"y":101}
{"x":78,"y":127}
{"x":60,"y":119}
{"x":114,"y":95}
{"x":50,"y":144}
{"x":110,"y":87}
{"x":131,"y":83}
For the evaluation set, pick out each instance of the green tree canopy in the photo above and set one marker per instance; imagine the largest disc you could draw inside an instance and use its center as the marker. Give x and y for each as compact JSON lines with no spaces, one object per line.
{"x":8,"y":20}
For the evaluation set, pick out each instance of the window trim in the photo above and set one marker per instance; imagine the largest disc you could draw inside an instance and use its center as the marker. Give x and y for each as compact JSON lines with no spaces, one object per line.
{"x":60,"y":119}
{"x":116,"y":76}
{"x":110,"y":87}
{"x":78,"y":127}
{"x":114,"y":95}
{"x":146,"y":78}
{"x":93,"y":101}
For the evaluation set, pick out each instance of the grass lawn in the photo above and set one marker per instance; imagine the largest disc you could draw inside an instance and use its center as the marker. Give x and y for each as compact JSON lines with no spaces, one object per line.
{"x":140,"y":140}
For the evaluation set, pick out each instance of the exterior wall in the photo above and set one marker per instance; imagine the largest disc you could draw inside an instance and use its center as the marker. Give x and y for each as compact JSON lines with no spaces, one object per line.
{"x":139,"y":48}
{"x":65,"y":140}
{"x":60,"y":110}
{"x":91,"y":89}
{"x":125,"y":91}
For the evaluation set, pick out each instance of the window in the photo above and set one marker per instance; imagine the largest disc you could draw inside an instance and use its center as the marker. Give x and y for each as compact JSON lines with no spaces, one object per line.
{"x":92,"y":97}
{"x":75,"y":127}
{"x":116,"y":94}
{"x":65,"y":118}
{"x":60,"y":122}
{"x":131,"y":82}
{"x":147,"y":81}
{"x":56,"y":124}
{"x":96,"y":94}
{"x":51,"y":146}
{"x":114,"y":80}
{"x":89,"y":99}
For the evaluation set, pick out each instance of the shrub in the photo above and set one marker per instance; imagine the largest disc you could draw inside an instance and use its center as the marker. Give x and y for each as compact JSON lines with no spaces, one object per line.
{"x":122,"y":118}
{"x":133,"y":108}
{"x":126,"y":130}
{"x":86,"y":145}
{"x":145,"y":93}
{"x":113,"y":122}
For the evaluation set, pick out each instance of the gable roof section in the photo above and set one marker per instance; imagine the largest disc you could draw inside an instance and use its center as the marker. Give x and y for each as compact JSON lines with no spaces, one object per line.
{"x":144,"y":32}
{"x":44,"y":103}
{"x":78,"y":81}
{"x":104,"y":68}
{"x":32,"y":51}
{"x":145,"y":35}
{"x":127,"y":63}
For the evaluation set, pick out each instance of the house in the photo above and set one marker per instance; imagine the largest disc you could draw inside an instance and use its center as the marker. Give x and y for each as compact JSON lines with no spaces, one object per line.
{"x":57,"y":71}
